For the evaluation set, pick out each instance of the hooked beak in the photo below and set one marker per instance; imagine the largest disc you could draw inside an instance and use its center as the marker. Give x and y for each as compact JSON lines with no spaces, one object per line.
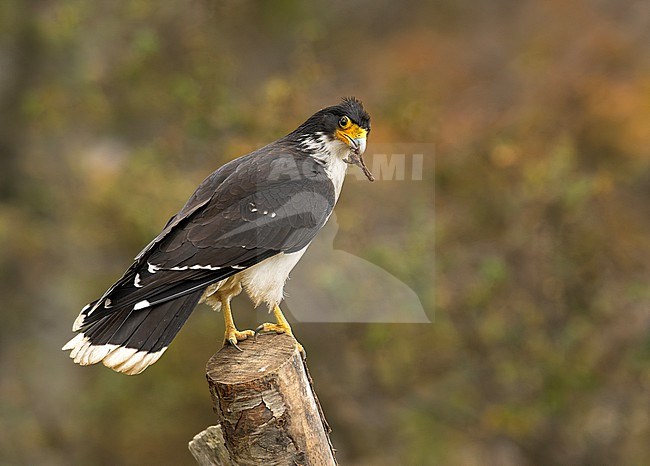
{"x":359,"y":145}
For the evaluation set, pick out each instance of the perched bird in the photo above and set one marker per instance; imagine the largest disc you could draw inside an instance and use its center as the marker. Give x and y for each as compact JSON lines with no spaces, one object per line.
{"x":245,"y":227}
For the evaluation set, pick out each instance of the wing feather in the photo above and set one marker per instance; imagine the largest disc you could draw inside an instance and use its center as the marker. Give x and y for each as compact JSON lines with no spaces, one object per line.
{"x":270,"y":201}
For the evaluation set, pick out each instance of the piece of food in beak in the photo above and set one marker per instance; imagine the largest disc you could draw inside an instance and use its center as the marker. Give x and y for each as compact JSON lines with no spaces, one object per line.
{"x":358,"y":147}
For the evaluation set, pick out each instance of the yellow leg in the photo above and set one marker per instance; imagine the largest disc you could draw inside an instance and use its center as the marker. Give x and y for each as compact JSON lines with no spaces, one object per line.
{"x":232,"y":335}
{"x":281,"y":326}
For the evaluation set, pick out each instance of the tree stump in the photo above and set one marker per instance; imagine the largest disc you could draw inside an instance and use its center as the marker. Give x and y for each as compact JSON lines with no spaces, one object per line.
{"x":266,"y":406}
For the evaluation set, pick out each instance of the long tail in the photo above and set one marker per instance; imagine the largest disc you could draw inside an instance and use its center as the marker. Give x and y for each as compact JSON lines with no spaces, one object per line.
{"x":129,"y":341}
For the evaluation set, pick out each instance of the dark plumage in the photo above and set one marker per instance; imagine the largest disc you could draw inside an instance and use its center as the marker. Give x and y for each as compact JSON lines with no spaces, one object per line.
{"x":267,"y":204}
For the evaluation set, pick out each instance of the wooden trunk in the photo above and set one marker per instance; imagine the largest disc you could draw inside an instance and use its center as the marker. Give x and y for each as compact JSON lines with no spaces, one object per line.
{"x":266,"y":406}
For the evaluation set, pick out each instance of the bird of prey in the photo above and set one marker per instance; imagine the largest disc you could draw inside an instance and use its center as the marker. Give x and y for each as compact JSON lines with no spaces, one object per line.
{"x":245,"y":227}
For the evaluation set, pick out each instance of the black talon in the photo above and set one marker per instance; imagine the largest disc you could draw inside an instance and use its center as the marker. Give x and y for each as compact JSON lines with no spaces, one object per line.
{"x":233,"y":342}
{"x":257,"y":332}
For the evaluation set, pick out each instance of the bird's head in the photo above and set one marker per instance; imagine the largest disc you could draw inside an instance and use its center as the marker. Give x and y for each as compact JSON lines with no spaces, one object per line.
{"x":340,"y":130}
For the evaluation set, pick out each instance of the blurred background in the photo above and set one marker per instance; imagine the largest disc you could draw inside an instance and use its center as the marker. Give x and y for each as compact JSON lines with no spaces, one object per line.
{"x":539,"y":111}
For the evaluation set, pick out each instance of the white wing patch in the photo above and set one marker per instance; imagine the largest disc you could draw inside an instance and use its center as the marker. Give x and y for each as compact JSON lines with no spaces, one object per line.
{"x":180,"y":268}
{"x":141,"y":305}
{"x":204,"y":267}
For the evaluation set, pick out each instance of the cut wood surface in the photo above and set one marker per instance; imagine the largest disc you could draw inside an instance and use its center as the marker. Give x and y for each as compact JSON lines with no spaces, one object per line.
{"x":266,"y":406}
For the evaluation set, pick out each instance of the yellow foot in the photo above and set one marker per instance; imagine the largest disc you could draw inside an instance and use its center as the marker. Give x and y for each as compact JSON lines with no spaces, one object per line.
{"x":233,"y":336}
{"x":280,"y":328}
{"x":277,"y":328}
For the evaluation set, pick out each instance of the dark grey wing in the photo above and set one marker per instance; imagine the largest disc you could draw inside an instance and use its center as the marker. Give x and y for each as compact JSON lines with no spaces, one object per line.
{"x":272,"y":201}
{"x":203,"y":194}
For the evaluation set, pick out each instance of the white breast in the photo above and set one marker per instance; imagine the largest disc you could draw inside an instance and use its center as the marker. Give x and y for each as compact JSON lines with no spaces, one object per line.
{"x":336,"y":170}
{"x":264,"y":282}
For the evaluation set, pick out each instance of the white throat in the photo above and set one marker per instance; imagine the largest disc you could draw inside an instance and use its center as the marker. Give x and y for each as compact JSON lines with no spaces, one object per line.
{"x":331,"y":154}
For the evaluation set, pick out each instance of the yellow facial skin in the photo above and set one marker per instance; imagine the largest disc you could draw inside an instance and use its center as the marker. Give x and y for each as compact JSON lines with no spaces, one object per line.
{"x":348,"y":131}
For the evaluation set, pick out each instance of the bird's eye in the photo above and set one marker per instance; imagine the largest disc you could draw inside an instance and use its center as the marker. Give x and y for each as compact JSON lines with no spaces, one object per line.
{"x":344,"y":122}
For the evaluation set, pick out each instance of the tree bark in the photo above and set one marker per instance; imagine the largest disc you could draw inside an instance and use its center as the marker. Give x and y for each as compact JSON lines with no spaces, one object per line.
{"x":266,"y":406}
{"x":208,"y":448}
